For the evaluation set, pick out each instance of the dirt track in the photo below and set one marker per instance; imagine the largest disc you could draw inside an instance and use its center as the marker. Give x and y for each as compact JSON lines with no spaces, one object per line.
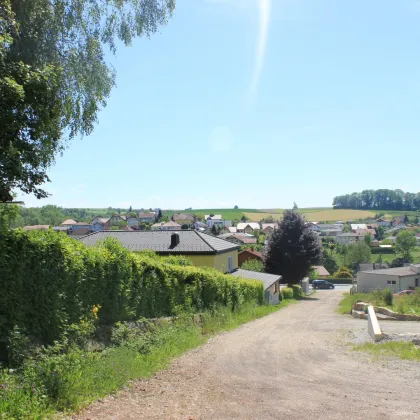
{"x":289,"y":365}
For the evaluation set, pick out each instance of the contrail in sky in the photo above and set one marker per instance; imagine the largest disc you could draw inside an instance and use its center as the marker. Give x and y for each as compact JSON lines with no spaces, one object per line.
{"x":264,"y":6}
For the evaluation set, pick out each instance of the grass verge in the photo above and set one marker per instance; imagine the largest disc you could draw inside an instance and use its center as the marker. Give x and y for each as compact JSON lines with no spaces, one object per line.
{"x":399,"y":349}
{"x":68,"y":381}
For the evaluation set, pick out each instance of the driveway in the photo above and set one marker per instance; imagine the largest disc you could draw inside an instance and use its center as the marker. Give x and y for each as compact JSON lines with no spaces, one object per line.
{"x":292,"y":364}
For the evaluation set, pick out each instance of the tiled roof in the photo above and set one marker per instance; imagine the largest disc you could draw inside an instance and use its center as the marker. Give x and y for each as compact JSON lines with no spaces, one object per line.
{"x":396,"y":271}
{"x":239,"y":236}
{"x":68,"y":222}
{"x":82,"y":224}
{"x":147,"y":215}
{"x":321,"y":270}
{"x":37,"y":227}
{"x":267,"y":279}
{"x":272,"y":225}
{"x":242,"y":226}
{"x":250,"y":251}
{"x":102,"y":220}
{"x":190,"y":241}
{"x":183,"y":216}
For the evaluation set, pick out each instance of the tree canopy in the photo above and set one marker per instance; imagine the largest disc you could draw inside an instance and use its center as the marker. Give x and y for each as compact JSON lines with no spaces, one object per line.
{"x":54,"y":78}
{"x":404,"y":244}
{"x":382,"y":199}
{"x":357,"y":253}
{"x":292,"y":249}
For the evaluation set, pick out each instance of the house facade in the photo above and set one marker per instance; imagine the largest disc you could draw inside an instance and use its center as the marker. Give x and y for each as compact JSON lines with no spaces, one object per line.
{"x":100,"y":223}
{"x":200,"y":248}
{"x":348,"y":238}
{"x":382,"y":222}
{"x":397,"y":279}
{"x":146,"y":217}
{"x":166,"y":226}
{"x":248,"y":254}
{"x":216,"y":220}
{"x":268,"y":228}
{"x":133,"y":222}
{"x":248,"y":227}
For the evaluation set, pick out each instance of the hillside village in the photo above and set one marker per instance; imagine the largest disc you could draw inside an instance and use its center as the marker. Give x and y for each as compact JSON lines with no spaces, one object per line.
{"x":250,"y":238}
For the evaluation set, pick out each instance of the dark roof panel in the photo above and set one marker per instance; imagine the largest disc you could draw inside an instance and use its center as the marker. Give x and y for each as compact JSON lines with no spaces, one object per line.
{"x":190,"y":241}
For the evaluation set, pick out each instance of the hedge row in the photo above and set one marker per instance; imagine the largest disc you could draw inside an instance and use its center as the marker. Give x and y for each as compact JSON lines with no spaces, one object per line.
{"x":49,"y":281}
{"x":379,"y":250}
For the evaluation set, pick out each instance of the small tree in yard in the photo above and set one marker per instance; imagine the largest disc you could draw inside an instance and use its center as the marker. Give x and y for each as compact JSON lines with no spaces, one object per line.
{"x":405,"y":243}
{"x":253,"y":265}
{"x":292,"y":249}
{"x":368,"y":239}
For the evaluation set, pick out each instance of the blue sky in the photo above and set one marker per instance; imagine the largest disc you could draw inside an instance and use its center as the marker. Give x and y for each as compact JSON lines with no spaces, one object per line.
{"x":255,"y":103}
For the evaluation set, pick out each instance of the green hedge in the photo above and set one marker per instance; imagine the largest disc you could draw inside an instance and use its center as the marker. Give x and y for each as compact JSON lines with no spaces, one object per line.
{"x":297,"y":291}
{"x":49,"y":281}
{"x":378,"y":250}
{"x":286,"y":293}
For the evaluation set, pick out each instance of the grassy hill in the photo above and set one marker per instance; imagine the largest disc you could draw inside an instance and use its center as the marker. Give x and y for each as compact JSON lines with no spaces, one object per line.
{"x":315,"y":214}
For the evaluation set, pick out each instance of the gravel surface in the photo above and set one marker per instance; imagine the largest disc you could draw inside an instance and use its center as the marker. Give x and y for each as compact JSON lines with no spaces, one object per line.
{"x":293,"y":364}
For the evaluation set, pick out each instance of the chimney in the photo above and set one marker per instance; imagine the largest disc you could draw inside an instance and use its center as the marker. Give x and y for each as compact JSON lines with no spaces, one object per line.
{"x":174,"y":240}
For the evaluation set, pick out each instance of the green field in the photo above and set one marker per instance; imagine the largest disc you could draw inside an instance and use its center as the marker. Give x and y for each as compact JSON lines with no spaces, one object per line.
{"x":313,"y":214}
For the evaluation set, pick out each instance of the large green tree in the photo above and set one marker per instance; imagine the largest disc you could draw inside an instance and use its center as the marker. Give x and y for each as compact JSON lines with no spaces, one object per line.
{"x":404,"y":244}
{"x":54,"y":78}
{"x":292,"y":249}
{"x":357,"y":253}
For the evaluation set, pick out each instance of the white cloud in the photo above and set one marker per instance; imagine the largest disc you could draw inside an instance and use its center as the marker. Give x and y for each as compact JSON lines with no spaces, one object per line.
{"x":221,"y":139}
{"x":264,"y":6}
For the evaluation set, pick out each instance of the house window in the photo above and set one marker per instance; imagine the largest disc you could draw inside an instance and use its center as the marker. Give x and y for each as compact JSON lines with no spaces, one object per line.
{"x":391,"y":282}
{"x":230,"y":264}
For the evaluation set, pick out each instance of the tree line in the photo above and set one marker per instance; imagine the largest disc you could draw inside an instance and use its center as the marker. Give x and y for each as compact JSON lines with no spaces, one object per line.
{"x":382,"y":199}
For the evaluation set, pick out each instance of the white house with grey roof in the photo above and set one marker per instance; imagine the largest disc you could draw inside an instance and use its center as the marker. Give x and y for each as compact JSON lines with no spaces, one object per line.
{"x":271,"y":283}
{"x":397,"y":279}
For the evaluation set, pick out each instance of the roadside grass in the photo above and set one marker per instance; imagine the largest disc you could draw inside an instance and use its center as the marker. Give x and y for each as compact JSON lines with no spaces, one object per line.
{"x":400,"y":349}
{"x":66,"y":382}
{"x":405,"y":304}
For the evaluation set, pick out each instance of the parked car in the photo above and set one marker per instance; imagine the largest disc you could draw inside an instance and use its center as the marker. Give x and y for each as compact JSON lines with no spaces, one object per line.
{"x":404,"y":292}
{"x":322,"y":284}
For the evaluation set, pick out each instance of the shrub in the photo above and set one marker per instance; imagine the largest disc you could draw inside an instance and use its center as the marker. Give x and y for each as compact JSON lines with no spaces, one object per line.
{"x":297,"y":291}
{"x":50,"y":281}
{"x":253,"y":265}
{"x":287,"y":293}
{"x":388,"y":297}
{"x":343,"y":273}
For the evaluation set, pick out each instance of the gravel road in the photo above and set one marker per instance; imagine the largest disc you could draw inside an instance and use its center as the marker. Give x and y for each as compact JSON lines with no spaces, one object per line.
{"x":293,"y":364}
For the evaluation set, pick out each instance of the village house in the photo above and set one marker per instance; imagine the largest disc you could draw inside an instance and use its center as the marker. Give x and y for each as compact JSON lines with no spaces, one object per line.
{"x":348,"y":238}
{"x":147,"y":217}
{"x":248,"y":254}
{"x":68,"y":222}
{"x":183,"y":219}
{"x":238,"y":238}
{"x":200,"y":248}
{"x":271,"y":283}
{"x":100,"y":223}
{"x":382,"y":222}
{"x":166,"y":226}
{"x":132,"y":221}
{"x":216,"y":220}
{"x":268,"y":228}
{"x":359,"y":228}
{"x":397,"y":279}
{"x":320,"y":270}
{"x":232,"y":229}
{"x":248,"y":227}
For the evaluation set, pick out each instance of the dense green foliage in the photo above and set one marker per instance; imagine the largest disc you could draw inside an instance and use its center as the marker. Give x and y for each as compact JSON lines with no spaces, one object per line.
{"x":54,"y":78}
{"x":343,"y":273}
{"x":292,"y":249}
{"x":50,"y":281}
{"x":357,"y":253}
{"x":382,"y":199}
{"x":253,"y":265}
{"x":286,"y":293}
{"x":405,"y":244}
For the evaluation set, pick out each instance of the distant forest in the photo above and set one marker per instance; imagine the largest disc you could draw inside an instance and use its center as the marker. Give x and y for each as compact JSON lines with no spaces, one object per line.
{"x":379,"y":200}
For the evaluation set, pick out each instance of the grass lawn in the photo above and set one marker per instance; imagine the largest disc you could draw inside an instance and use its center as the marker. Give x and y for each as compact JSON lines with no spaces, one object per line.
{"x":406,"y":304}
{"x":400,"y":349}
{"x":389,"y":257}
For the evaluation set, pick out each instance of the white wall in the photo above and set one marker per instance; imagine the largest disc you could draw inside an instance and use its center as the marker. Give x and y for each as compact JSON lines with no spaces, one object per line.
{"x":367,"y":282}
